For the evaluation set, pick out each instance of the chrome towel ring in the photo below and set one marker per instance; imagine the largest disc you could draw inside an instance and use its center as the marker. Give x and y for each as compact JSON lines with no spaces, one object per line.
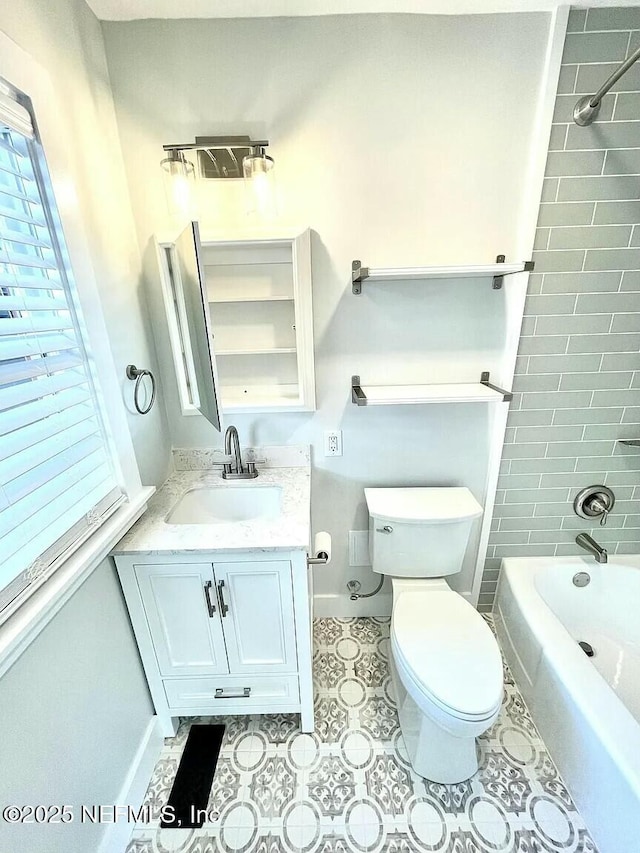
{"x":135,"y":373}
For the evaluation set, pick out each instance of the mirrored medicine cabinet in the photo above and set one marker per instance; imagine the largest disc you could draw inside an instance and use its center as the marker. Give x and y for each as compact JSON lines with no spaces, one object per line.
{"x":239,"y":313}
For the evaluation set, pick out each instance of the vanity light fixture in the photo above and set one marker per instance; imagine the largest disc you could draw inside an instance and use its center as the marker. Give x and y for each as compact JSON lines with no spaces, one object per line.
{"x":257,"y":169}
{"x":223,"y":158}
{"x":179,"y":178}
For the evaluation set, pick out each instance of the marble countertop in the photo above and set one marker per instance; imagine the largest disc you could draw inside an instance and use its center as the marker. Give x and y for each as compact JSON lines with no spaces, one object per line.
{"x":151,"y":534}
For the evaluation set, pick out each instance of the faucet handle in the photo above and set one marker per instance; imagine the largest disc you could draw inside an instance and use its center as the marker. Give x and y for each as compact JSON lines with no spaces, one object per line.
{"x":601,"y":508}
{"x":257,"y":462}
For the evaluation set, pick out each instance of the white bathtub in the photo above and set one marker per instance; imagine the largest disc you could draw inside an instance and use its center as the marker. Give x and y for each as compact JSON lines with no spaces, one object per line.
{"x":586,"y":709}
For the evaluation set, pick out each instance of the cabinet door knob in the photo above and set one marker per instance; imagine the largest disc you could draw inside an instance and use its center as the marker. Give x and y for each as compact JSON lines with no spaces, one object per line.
{"x":207,"y":597}
{"x":224,"y":607}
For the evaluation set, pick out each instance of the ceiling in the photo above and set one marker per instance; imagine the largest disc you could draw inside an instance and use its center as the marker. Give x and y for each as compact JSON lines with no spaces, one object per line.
{"x":128,"y":10}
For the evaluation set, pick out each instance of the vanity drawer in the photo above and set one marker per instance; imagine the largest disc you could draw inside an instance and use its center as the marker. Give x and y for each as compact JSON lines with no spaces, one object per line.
{"x":232,"y":692}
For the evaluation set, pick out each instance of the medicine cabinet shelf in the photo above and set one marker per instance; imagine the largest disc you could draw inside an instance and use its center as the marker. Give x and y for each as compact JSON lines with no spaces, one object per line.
{"x":454,"y":392}
{"x":495,"y":271}
{"x":271,"y":351}
{"x":225,"y":299}
{"x":264,"y":398}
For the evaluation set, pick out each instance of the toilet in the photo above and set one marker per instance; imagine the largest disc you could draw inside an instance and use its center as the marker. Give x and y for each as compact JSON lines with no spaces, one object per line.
{"x":446,"y":666}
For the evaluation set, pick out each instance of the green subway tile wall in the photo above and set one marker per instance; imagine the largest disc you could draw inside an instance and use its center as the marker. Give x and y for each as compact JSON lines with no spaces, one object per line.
{"x":577,"y":383}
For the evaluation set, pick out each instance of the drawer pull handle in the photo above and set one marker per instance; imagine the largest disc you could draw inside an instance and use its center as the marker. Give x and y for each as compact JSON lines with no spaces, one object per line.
{"x":224,"y":607}
{"x":220,"y":694}
{"x":207,"y":597}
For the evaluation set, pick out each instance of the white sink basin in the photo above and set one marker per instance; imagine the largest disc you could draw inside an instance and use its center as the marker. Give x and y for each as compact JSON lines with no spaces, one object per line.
{"x":224,"y":504}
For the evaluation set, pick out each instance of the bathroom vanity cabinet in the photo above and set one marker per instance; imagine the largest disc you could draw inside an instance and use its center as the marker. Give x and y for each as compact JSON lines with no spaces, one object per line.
{"x":257,"y":295}
{"x":222,"y":633}
{"x":222,"y":609}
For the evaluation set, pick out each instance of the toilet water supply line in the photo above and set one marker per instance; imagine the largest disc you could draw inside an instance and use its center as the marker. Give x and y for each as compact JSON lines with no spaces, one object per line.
{"x":353,"y":586}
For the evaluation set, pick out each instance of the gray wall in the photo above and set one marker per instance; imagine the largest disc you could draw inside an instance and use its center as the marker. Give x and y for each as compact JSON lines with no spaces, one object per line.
{"x":577,"y":384}
{"x":387,"y":145}
{"x":65,"y":39}
{"x":75,"y":705}
{"x":74,"y":708}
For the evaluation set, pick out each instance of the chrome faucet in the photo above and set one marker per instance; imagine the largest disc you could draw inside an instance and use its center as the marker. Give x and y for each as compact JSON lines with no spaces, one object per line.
{"x":235,"y":470}
{"x":585,"y":541}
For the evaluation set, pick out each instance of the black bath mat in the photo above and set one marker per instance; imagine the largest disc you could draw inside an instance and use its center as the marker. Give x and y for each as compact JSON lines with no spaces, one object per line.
{"x":192,"y":784}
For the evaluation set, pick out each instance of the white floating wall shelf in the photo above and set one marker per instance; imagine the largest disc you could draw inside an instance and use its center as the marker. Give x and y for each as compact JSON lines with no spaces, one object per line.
{"x":455,"y":392}
{"x":495,"y":271}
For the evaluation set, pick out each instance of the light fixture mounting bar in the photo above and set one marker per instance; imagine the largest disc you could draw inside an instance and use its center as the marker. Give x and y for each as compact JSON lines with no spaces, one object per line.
{"x":212,"y":143}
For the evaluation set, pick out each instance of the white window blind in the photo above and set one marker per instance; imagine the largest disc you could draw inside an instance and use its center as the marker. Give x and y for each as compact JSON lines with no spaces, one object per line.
{"x":57,"y":480}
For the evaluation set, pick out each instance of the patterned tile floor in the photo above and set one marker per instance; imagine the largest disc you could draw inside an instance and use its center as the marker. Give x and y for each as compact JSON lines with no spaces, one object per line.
{"x":349,"y":786}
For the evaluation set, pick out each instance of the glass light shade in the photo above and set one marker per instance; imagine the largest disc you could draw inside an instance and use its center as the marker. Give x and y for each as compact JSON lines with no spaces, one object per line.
{"x":260,"y":190}
{"x":179,"y":186}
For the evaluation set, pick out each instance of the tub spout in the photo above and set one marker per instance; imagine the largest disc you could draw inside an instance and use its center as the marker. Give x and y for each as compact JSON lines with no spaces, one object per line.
{"x":585,"y":541}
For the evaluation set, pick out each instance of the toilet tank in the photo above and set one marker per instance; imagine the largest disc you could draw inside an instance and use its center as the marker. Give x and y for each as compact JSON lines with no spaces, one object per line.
{"x":420,"y":532}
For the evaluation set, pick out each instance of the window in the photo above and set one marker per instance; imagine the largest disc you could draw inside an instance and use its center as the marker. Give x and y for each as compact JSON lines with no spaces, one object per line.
{"x":57,"y":480}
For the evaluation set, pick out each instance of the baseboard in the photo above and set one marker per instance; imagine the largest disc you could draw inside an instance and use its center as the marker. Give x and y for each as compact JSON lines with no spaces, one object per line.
{"x":341,"y":605}
{"x":132,"y":793}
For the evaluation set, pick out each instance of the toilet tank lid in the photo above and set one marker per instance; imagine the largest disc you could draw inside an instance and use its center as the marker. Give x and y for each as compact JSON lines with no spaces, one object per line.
{"x":422,"y":504}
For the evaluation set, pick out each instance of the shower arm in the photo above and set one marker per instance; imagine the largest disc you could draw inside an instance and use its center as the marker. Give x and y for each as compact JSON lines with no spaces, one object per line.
{"x":587,"y":108}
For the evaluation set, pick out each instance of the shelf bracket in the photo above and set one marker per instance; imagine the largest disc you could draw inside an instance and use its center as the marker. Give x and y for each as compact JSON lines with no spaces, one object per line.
{"x":498,"y":280}
{"x":484,"y":380}
{"x":358,"y":274}
{"x":357,"y":394}
{"x":629,"y":442}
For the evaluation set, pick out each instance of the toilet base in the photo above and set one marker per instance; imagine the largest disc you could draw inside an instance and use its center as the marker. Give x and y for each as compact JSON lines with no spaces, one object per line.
{"x":434,"y":753}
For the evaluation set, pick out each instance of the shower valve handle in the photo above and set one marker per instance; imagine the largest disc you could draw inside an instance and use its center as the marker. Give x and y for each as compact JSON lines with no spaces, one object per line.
{"x":594,"y":502}
{"x":601,"y":509}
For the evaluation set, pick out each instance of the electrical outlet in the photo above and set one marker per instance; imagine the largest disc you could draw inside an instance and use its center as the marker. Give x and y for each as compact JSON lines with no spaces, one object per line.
{"x":333,"y":442}
{"x":359,"y":548}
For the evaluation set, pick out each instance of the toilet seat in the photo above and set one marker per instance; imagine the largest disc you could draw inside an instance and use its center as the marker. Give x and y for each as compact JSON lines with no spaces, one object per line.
{"x":446,"y":654}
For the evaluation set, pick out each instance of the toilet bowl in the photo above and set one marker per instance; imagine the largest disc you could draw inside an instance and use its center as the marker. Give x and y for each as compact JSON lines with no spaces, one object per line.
{"x":445,"y":662}
{"x":447,"y":676}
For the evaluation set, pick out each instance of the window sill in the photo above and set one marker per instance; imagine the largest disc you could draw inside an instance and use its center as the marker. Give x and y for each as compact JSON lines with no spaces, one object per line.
{"x":24,"y":626}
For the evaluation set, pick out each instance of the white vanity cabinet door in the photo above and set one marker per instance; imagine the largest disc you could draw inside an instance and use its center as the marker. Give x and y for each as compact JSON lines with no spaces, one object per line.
{"x":259,"y":624}
{"x":187,"y":637}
